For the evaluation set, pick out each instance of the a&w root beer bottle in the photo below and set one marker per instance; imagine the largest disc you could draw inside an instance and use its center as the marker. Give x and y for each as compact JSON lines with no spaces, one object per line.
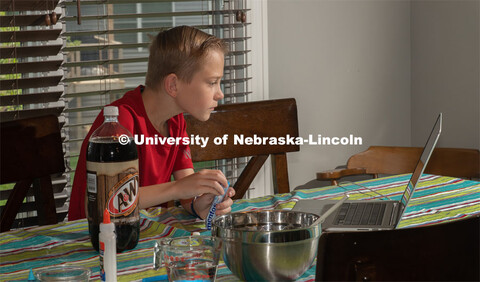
{"x":112,"y":181}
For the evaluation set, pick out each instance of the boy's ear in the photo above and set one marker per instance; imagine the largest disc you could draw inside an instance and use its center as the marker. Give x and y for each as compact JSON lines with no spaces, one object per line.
{"x":170,"y":84}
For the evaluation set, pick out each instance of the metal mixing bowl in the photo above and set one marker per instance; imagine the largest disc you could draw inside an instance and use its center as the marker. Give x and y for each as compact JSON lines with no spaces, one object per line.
{"x":268,"y":245}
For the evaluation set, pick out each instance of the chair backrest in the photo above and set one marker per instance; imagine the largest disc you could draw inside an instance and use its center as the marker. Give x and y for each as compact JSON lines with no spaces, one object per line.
{"x":31,"y":151}
{"x":442,"y":252}
{"x":455,"y":162}
{"x":265,"y":120}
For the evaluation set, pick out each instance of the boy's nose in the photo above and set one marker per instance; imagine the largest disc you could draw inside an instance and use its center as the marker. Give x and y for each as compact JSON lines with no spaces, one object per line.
{"x":219,"y":95}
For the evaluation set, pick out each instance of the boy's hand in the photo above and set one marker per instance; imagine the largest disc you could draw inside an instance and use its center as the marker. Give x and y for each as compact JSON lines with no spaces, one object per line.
{"x":205,"y":185}
{"x":203,"y":203}
{"x":206,"y":181}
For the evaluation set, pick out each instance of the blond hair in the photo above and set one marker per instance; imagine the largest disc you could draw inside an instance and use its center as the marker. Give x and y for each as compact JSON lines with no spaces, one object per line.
{"x":180,"y":50}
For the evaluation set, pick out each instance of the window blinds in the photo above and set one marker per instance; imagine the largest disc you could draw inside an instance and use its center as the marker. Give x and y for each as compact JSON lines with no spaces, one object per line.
{"x":31,"y":76}
{"x":31,"y":59}
{"x":107,"y":54}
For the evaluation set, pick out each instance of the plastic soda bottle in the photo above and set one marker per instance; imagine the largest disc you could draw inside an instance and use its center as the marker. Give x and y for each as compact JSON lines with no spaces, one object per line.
{"x":112,"y":181}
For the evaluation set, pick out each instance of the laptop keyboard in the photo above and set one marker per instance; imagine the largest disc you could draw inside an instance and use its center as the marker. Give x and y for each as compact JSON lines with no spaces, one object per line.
{"x":360,"y":214}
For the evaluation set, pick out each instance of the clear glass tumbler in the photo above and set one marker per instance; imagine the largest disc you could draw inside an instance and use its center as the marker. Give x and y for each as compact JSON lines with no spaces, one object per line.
{"x":189,"y":257}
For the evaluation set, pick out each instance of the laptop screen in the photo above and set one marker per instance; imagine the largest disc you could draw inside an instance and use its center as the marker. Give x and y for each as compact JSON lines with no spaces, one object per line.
{"x":426,"y":153}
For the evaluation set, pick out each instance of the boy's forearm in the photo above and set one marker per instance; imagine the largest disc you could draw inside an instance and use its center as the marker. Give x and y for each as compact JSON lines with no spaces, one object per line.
{"x":155,"y":195}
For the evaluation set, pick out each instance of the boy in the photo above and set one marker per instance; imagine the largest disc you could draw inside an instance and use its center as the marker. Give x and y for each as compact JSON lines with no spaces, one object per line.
{"x":185,"y":67}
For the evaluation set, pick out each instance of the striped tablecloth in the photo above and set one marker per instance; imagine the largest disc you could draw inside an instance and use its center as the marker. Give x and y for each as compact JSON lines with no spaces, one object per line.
{"x":436,"y":199}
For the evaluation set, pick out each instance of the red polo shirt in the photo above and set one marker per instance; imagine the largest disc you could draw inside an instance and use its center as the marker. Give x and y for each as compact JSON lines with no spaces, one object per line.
{"x":156,"y":162}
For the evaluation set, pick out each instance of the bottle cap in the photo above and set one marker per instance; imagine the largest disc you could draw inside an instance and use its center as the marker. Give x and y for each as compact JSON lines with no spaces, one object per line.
{"x":110,"y":111}
{"x":106,"y":216}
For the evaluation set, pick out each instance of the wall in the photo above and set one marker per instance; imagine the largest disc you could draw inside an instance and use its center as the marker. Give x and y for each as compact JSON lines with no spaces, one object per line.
{"x":446,"y":71}
{"x":347,"y":63}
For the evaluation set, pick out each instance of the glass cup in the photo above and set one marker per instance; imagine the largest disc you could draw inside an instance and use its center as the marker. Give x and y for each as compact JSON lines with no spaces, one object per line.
{"x":188,"y":258}
{"x":64,"y":273}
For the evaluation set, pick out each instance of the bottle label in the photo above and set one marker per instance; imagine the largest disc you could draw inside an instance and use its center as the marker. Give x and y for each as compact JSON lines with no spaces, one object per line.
{"x":113,"y":186}
{"x":123,"y":198}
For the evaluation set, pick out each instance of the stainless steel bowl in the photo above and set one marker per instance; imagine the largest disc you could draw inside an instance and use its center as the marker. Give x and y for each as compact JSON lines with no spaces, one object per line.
{"x":268,"y":245}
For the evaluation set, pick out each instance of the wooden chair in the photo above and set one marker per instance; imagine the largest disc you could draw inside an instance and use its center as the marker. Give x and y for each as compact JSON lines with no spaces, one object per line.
{"x":455,"y":162}
{"x":271,"y":118}
{"x":31,"y":150}
{"x":443,"y":252}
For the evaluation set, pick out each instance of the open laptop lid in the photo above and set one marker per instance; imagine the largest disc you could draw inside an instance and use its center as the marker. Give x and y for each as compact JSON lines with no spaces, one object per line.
{"x":421,"y":164}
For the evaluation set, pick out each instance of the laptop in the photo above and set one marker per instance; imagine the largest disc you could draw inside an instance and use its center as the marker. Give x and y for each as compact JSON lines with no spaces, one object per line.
{"x":370,"y":215}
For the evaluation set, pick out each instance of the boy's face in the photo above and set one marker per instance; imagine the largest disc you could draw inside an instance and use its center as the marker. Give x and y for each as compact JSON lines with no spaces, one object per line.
{"x":200,"y":96}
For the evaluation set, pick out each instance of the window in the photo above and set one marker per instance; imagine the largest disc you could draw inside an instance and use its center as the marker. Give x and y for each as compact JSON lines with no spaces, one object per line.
{"x":107,"y":54}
